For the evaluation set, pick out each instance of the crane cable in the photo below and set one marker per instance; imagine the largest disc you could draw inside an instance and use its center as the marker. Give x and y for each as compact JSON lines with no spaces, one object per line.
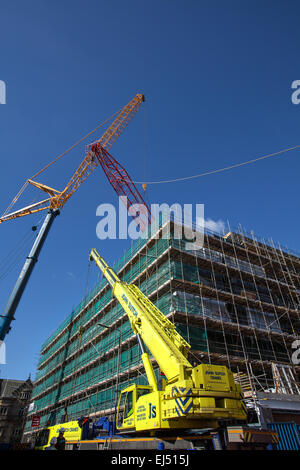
{"x":15,"y":199}
{"x":76,"y":143}
{"x":219,"y":170}
{"x":12,"y":259}
{"x":56,"y":159}
{"x":9,"y":264}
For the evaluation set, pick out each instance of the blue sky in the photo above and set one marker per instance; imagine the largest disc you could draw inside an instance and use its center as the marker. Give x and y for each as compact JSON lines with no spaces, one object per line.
{"x":217,"y":79}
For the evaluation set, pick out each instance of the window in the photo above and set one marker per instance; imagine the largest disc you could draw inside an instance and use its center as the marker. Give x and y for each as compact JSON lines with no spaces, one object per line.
{"x":129,"y":405}
{"x":142,"y":392}
{"x":120,"y":409}
{"x":42,"y":438}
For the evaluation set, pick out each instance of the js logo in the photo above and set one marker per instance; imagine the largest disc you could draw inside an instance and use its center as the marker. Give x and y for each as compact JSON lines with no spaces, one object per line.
{"x":2,"y":92}
{"x":296,"y":94}
{"x":152,"y":411}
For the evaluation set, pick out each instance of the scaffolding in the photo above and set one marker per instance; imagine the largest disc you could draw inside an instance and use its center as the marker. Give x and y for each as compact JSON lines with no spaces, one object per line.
{"x":235,"y":300}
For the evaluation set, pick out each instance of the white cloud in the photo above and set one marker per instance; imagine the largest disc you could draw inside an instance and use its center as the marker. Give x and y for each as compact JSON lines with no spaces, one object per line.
{"x":209,"y":224}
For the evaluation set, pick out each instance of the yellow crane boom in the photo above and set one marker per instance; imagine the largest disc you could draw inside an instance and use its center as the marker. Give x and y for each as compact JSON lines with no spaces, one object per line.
{"x":158,"y":333}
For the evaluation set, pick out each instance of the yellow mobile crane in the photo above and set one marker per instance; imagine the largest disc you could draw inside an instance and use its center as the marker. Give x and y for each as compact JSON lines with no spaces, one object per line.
{"x":181,"y":413}
{"x":190,"y":397}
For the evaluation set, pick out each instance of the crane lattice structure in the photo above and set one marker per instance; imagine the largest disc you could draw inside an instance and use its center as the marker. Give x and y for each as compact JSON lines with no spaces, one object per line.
{"x":96,"y":154}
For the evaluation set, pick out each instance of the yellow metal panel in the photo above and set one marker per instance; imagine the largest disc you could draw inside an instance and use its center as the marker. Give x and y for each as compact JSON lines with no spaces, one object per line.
{"x":72,"y":432}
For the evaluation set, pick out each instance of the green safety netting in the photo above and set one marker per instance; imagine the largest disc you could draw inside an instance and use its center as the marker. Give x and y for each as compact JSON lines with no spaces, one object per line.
{"x":56,"y":362}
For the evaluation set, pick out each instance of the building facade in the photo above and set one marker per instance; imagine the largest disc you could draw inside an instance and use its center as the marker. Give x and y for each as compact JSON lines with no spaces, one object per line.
{"x":236,"y":300}
{"x":15,"y":396}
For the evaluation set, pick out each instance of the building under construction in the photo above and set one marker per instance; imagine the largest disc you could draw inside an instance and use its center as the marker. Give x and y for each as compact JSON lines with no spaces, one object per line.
{"x":236,"y":300}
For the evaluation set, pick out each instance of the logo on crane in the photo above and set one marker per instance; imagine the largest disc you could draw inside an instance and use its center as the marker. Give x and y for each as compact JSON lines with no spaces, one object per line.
{"x":130,"y":306}
{"x":152,"y":411}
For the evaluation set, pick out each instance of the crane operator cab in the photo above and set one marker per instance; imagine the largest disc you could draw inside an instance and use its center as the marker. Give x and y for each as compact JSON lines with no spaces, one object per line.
{"x":127,"y":405}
